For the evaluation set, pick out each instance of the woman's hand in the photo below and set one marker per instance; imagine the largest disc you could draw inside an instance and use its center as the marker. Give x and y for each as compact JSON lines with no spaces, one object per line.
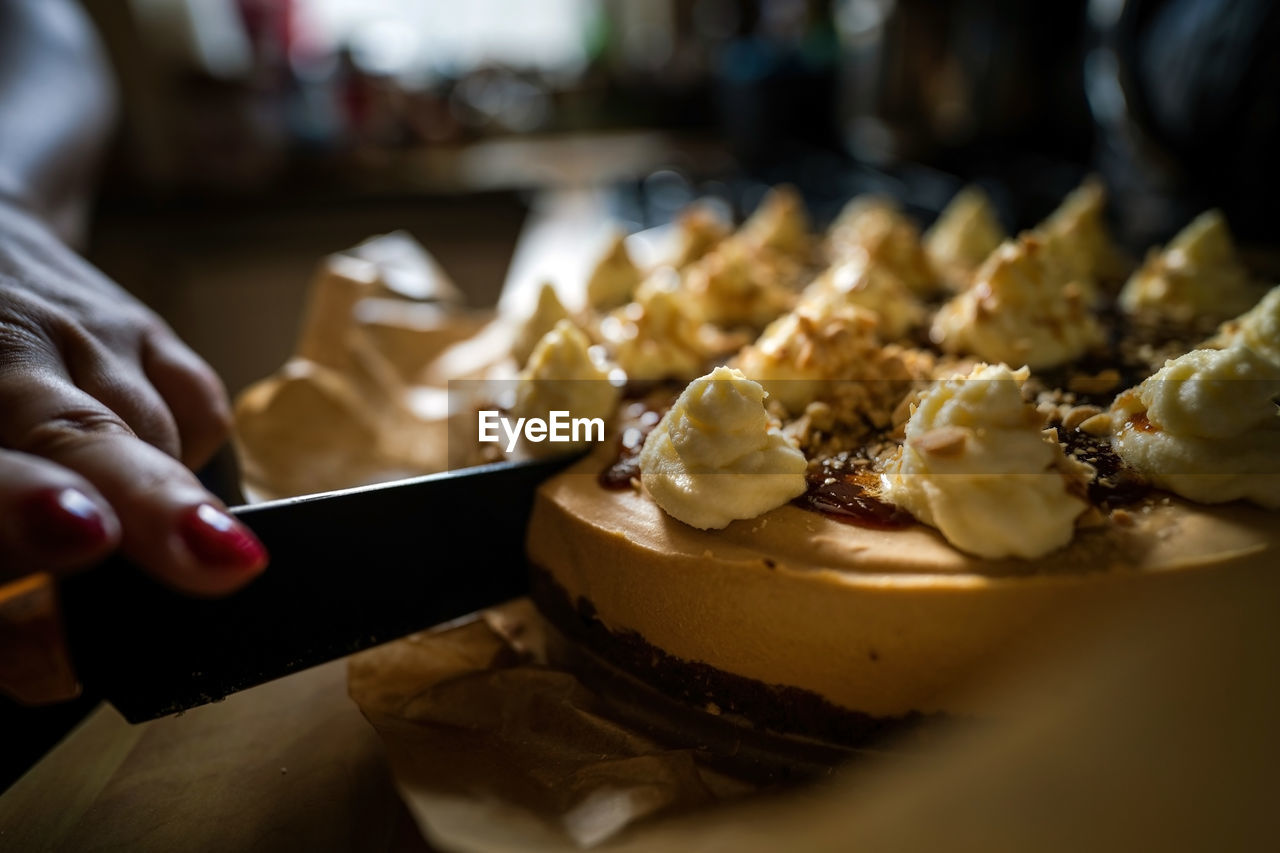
{"x":103,"y":412}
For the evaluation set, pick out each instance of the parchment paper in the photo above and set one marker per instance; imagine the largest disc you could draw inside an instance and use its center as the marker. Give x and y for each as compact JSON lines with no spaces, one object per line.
{"x":493,"y":747}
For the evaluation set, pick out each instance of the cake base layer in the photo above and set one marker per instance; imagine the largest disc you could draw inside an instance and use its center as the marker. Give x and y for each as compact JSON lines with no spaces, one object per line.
{"x":752,"y":716}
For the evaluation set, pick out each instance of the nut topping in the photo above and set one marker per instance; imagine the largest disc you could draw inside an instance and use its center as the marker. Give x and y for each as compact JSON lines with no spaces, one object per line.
{"x":1102,"y":382}
{"x":1099,"y":425}
{"x":943,"y":441}
{"x":1078,"y":415}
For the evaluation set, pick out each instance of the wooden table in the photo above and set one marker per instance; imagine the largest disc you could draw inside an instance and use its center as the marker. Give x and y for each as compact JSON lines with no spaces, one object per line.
{"x":290,"y":765}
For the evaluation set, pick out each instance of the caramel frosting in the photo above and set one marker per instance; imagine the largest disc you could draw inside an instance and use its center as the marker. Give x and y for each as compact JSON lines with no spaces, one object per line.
{"x":966,"y":233}
{"x":565,"y":373}
{"x":1077,"y":233}
{"x":658,"y":336}
{"x":1206,"y":426}
{"x":1258,"y":328}
{"x":1196,"y":276}
{"x":779,"y":224}
{"x":741,"y":284}
{"x":858,"y":282}
{"x":548,"y":312}
{"x":614,"y":278}
{"x":889,"y":238}
{"x":1025,"y":307}
{"x":977,"y":465}
{"x":699,"y":229}
{"x":716,"y":455}
{"x":801,"y":354}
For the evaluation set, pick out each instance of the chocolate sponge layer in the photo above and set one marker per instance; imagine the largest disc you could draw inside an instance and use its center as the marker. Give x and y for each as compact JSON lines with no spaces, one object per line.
{"x":799,"y":726}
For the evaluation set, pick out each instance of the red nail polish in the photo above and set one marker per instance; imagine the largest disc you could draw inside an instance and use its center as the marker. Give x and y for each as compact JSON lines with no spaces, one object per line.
{"x":219,"y":541}
{"x":63,"y":521}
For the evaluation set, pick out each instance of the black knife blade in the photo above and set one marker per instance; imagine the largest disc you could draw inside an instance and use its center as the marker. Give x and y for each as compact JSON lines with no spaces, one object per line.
{"x":349,"y":570}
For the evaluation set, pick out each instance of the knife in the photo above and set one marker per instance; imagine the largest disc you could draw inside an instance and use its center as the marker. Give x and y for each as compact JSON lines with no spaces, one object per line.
{"x":349,"y":569}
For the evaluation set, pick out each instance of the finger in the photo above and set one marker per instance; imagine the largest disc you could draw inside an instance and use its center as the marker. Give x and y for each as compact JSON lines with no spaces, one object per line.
{"x":170,"y":525}
{"x":37,"y":335}
{"x":51,"y":519}
{"x":193,"y":393}
{"x":121,"y":386}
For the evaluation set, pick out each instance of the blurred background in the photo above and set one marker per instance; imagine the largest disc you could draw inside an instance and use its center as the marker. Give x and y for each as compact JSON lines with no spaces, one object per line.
{"x":258,"y":135}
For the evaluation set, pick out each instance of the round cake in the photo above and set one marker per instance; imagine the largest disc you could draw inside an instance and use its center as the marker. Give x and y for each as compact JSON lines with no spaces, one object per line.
{"x":853,"y":477}
{"x":804,"y":623}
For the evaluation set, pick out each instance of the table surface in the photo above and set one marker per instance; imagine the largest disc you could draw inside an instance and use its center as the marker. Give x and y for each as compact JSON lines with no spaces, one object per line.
{"x":289,"y":765}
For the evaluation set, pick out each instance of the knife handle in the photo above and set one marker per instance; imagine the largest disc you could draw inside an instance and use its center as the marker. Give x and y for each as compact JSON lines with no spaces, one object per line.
{"x":35,"y":662}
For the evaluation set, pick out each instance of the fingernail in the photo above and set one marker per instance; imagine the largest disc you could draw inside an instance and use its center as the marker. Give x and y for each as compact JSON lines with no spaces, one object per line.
{"x":219,"y":541}
{"x":64,"y":521}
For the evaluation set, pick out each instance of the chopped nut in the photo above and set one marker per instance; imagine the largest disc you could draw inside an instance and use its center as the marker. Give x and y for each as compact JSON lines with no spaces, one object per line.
{"x":1099,"y":425}
{"x":1122,"y":517}
{"x":1049,"y":411}
{"x":819,"y":409}
{"x":1073,"y":295}
{"x":1128,"y":403}
{"x":902,"y":412}
{"x":1100,"y":383}
{"x":1090,"y":518}
{"x":944,"y":441}
{"x":1079,"y":415}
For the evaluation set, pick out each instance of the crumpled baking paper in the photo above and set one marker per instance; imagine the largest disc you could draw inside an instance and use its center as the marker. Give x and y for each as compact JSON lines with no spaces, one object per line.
{"x":492,"y":747}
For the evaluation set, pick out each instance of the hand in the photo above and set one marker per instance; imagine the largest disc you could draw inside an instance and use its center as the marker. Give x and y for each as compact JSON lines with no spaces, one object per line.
{"x":103,"y":412}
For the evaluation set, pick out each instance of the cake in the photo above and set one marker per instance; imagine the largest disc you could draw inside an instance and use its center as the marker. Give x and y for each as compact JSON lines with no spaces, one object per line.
{"x":863,"y":472}
{"x":847,"y":478}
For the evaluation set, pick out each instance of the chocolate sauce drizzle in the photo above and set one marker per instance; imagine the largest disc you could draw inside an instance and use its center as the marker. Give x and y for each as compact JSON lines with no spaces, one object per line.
{"x":1115,"y":483}
{"x":638,"y":420}
{"x":848,"y":494}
